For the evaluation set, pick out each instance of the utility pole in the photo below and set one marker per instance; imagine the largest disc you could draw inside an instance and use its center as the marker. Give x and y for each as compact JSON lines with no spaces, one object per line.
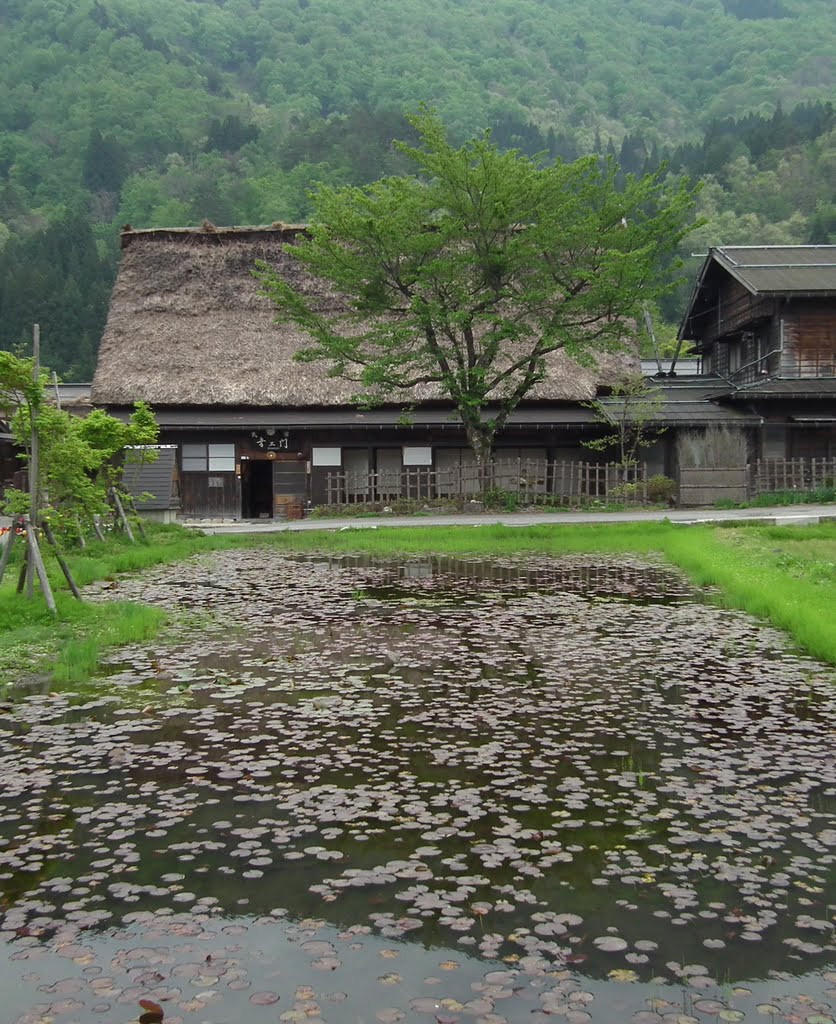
{"x":648,"y":322}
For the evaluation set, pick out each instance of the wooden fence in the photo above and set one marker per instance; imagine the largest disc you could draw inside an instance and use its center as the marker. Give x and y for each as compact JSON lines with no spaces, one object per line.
{"x":768,"y":475}
{"x":699,"y":486}
{"x":534,"y":481}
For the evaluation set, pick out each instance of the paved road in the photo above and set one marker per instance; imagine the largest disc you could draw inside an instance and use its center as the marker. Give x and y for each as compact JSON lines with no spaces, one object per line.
{"x":785,"y":515}
{"x":800,"y":515}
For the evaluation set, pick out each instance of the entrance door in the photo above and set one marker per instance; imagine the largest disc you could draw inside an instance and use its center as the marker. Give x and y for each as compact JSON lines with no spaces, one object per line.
{"x":256,"y":489}
{"x":290,"y":486}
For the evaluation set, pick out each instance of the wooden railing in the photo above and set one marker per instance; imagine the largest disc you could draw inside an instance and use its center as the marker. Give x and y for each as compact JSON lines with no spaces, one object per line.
{"x":768,"y":475}
{"x":534,"y":481}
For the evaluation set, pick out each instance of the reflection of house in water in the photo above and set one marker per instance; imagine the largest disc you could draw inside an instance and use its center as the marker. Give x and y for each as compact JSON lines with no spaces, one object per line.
{"x":461,"y":577}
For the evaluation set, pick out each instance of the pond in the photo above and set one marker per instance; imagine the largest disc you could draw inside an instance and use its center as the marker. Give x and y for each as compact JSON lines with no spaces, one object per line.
{"x":442,"y":790}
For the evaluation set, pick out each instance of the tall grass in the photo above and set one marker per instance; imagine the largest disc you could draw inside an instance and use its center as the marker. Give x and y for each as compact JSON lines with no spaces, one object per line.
{"x":109,"y":625}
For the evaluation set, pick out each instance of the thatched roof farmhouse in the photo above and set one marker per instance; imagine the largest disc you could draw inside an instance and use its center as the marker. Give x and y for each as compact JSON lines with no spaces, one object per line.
{"x":188,"y":326}
{"x":259,"y":434}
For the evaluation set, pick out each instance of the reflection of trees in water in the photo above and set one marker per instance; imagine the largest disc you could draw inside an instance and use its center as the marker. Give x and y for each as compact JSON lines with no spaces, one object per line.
{"x":576,"y":575}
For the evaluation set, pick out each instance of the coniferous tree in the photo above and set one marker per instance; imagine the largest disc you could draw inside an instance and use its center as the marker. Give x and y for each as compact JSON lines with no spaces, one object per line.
{"x":105,"y":163}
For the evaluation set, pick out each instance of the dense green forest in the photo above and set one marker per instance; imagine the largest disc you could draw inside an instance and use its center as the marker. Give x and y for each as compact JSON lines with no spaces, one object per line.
{"x":163,"y":112}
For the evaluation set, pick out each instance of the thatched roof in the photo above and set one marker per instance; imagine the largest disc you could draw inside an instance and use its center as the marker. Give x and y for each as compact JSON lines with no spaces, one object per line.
{"x":187,"y":326}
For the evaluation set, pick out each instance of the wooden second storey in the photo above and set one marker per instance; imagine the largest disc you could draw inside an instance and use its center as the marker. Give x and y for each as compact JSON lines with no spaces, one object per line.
{"x":762,"y":312}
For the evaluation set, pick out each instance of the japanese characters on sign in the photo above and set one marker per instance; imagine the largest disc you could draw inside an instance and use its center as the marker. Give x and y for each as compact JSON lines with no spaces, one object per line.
{"x":271,"y":440}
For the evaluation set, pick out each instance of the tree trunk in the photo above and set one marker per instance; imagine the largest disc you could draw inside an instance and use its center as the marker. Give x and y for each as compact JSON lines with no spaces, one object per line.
{"x":480,"y":439}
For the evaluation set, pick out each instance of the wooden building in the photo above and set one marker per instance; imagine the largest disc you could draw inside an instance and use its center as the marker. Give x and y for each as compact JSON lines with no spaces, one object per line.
{"x":257,"y":433}
{"x":763,"y":320}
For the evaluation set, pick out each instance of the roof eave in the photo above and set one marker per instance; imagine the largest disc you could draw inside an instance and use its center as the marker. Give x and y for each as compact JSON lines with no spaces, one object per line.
{"x":714,"y":255}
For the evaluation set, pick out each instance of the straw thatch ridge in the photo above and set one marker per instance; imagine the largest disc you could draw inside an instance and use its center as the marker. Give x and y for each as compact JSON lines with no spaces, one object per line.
{"x":187,"y":326}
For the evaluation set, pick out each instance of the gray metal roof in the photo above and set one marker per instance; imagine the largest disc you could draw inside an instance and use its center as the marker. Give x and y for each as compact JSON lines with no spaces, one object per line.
{"x":780,"y":269}
{"x":799,"y":387}
{"x":70,"y":393}
{"x":155,"y":478}
{"x":684,"y":406}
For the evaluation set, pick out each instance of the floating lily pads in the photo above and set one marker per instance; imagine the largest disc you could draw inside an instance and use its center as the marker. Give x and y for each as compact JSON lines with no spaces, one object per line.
{"x":563,"y":787}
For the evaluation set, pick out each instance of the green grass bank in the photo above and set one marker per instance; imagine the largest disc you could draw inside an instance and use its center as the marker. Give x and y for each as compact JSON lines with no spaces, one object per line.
{"x":785,"y":575}
{"x":68,"y":649}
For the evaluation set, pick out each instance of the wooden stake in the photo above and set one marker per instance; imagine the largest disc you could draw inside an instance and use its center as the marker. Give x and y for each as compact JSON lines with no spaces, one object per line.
{"x":7,"y":547}
{"x":136,"y":516}
{"x":82,"y":543}
{"x":24,"y":569}
{"x":40,"y":568}
{"x":34,"y":457}
{"x":97,"y":527}
{"x":122,"y":515}
{"x":60,"y":559}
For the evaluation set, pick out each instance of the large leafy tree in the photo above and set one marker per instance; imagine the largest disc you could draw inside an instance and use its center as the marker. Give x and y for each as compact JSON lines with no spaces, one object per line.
{"x":465,"y":277}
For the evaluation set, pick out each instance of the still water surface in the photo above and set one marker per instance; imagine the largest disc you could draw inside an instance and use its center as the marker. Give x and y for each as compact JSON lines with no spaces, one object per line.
{"x":438,"y":790}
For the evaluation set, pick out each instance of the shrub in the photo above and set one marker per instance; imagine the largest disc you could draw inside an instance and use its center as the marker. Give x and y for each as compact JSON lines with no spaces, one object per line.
{"x":661,"y":489}
{"x":818,"y":496}
{"x":498,"y":499}
{"x":628,"y":492}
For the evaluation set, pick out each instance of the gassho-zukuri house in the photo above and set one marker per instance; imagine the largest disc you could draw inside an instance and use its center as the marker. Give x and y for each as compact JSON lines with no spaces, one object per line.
{"x":256,"y":433}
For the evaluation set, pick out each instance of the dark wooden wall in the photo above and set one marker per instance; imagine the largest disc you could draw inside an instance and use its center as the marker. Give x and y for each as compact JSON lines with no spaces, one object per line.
{"x":798,"y":339}
{"x":809,"y":340}
{"x":735,"y":308}
{"x":296,"y":481}
{"x":210,"y":495}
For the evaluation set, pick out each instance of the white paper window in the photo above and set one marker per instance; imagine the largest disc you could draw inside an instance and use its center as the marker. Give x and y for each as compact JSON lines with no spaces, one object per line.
{"x":221,"y":458}
{"x":417,"y":456}
{"x":217,"y":458}
{"x":327,"y":457}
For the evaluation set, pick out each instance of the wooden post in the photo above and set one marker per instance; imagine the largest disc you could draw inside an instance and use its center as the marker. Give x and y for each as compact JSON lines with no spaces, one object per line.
{"x":7,"y":548}
{"x":24,"y":569}
{"x":137,"y":518}
{"x":122,"y":516}
{"x":82,"y":543}
{"x":97,"y":528}
{"x":34,"y":458}
{"x":37,"y":560}
{"x":60,"y":559}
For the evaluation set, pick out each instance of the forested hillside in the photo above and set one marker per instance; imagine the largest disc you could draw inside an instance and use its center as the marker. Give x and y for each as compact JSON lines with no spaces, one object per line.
{"x":162,"y":112}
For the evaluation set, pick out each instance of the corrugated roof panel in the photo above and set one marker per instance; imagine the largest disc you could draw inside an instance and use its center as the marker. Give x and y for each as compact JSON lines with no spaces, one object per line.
{"x":781,"y":268}
{"x":797,"y":387}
